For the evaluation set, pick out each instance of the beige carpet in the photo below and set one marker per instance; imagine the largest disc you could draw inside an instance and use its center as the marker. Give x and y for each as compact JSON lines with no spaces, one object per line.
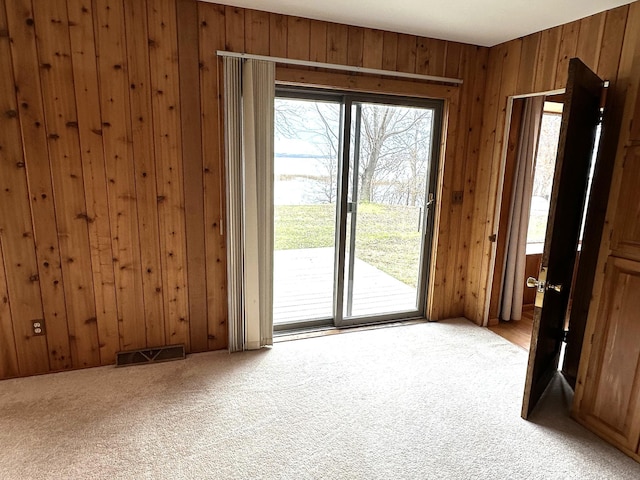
{"x":424,"y":401}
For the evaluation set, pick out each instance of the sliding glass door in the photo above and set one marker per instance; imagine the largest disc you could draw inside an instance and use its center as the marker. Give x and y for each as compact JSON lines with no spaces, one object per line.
{"x":354,"y":189}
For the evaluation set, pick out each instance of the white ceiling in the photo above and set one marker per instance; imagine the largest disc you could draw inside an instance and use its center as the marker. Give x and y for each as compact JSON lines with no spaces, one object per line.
{"x":479,"y":22}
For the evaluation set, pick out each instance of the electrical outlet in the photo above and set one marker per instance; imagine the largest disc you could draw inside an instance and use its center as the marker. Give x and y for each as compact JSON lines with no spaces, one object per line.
{"x":457,"y":196}
{"x":38,"y":327}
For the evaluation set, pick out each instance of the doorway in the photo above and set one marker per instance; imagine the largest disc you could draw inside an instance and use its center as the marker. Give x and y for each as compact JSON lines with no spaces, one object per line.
{"x":519,"y":331}
{"x":354,"y":184}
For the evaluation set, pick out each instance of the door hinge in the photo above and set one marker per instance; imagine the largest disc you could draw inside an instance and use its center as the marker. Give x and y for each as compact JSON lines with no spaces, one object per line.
{"x":493,"y":238}
{"x":565,"y":336}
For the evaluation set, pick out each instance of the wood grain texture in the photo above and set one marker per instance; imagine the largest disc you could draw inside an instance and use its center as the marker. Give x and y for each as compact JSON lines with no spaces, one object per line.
{"x":608,"y":308}
{"x":389,"y":50}
{"x":190,"y":119}
{"x":406,"y":55}
{"x":16,"y":230}
{"x":567,"y":50}
{"x":8,"y":357}
{"x":477,"y":93}
{"x":61,"y":120}
{"x":479,"y":216}
{"x":26,"y":68}
{"x":277,"y":35}
{"x":611,"y":398}
{"x":355,"y":49}
{"x":128,"y":148}
{"x":547,"y":63}
{"x":541,"y":67}
{"x":109,"y":21}
{"x":373,"y":51}
{"x":144,"y":158}
{"x":86,"y":85}
{"x":590,"y":39}
{"x":234,"y":29}
{"x":256,"y":26}
{"x":337,"y":38}
{"x":318,"y":41}
{"x":163,"y":55}
{"x":212,"y":37}
{"x":298,"y":34}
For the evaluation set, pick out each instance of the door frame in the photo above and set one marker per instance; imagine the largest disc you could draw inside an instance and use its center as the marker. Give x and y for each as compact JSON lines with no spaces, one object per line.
{"x":430,"y":216}
{"x":498,"y":208}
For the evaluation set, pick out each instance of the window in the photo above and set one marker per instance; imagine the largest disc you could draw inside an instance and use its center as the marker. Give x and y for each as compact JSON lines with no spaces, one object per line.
{"x":543,"y":176}
{"x":353,"y":178}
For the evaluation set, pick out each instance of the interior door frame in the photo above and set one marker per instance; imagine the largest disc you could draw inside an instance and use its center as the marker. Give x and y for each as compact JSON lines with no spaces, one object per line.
{"x":498,"y":208}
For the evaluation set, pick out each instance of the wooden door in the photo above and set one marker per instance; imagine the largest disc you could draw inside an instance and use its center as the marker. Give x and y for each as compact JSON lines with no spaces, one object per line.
{"x":577,"y":135}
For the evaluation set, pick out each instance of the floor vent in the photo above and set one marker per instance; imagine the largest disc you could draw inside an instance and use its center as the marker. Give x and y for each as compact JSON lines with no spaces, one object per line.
{"x":150,"y":355}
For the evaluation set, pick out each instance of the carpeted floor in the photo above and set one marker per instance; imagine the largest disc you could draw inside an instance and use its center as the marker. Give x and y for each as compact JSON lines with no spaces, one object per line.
{"x":438,"y":400}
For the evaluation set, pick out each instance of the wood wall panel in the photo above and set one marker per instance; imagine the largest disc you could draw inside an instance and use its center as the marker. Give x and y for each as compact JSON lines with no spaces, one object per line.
{"x":8,"y":357}
{"x":406,"y":56}
{"x":277,"y":33}
{"x":538,"y":64}
{"x":26,"y":69}
{"x":191,"y":128}
{"x":101,"y":163}
{"x":373,"y":52}
{"x":112,"y":166}
{"x":298,"y":33}
{"x":601,"y":401}
{"x":389,"y":50}
{"x":86,"y":86}
{"x":16,"y":230}
{"x":109,"y":21}
{"x":212,"y":38}
{"x":337,"y":41}
{"x":256,"y":31}
{"x":143,"y":150}
{"x":318,"y":41}
{"x":590,"y":39}
{"x":567,"y":51}
{"x":355,"y":49}
{"x":61,"y":120}
{"x":163,"y":53}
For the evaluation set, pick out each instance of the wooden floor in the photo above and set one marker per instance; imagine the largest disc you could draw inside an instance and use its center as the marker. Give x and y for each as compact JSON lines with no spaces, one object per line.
{"x":303,"y":287}
{"x":517,"y":332}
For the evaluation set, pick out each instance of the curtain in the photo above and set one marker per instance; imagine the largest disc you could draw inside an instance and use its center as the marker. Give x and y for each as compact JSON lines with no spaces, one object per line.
{"x":516,"y":256}
{"x":249,"y":92}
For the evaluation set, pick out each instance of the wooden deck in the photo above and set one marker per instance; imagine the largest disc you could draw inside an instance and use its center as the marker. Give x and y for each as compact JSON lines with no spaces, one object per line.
{"x":303,"y":287}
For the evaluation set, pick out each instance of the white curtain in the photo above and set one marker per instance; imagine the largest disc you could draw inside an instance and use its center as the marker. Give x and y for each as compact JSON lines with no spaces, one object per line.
{"x":249,"y":92}
{"x":516,"y":256}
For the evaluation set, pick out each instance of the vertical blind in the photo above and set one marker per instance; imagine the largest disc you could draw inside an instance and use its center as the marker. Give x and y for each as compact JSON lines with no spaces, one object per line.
{"x":249,"y":91}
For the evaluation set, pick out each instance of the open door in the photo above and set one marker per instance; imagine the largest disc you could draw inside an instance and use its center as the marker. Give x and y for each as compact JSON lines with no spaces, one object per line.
{"x":577,"y":136}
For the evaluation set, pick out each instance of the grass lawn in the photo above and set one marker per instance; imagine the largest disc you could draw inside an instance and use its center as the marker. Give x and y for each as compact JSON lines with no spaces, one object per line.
{"x":387,"y":236}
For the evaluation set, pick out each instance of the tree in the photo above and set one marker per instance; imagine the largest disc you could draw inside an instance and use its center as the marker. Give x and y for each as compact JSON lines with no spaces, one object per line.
{"x":395,"y":145}
{"x":318,"y":124}
{"x":395,"y":142}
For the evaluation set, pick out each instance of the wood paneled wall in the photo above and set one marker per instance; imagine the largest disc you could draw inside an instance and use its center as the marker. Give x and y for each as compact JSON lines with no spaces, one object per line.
{"x":111,"y":190}
{"x":111,"y":173}
{"x":536,"y":63}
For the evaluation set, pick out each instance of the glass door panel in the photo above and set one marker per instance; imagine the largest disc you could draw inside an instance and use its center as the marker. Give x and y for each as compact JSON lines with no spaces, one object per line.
{"x":307,"y":139}
{"x":390,"y":165}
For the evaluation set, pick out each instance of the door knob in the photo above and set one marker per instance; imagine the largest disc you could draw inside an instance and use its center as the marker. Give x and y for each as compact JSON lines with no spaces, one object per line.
{"x":556,"y":288}
{"x":540,"y":285}
{"x":535,"y":283}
